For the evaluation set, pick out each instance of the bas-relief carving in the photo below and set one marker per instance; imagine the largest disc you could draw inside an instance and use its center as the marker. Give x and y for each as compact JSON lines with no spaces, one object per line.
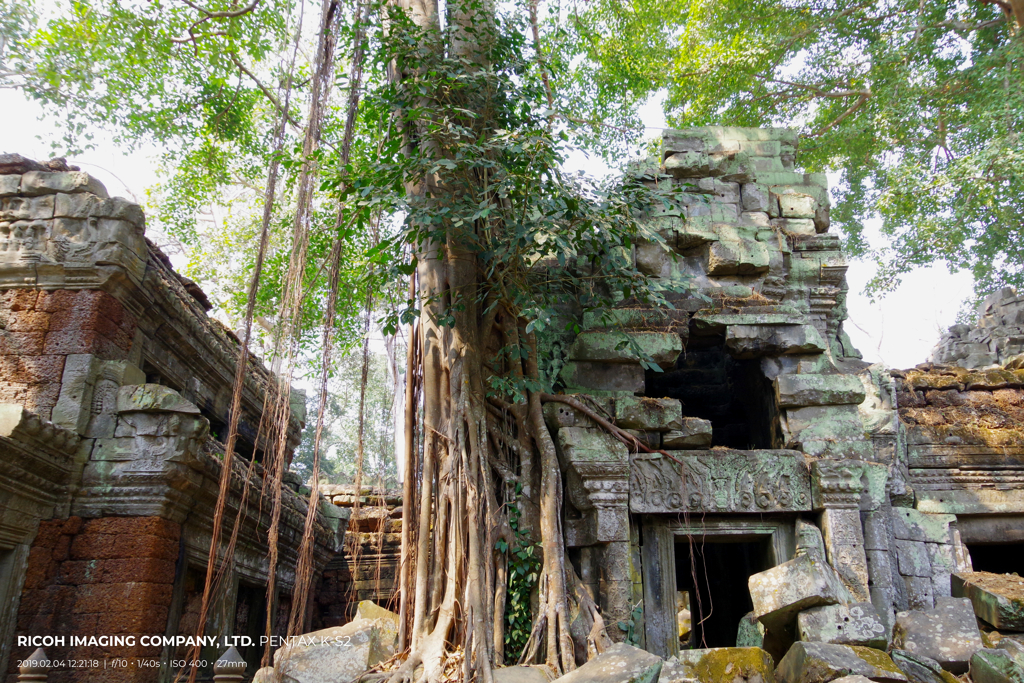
{"x":720,"y":481}
{"x":98,"y":232}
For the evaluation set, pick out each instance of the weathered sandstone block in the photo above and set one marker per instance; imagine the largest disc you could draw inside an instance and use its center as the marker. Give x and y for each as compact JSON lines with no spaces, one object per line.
{"x":997,"y":598}
{"x":948,"y":634}
{"x":781,"y":592}
{"x":822,"y":662}
{"x":621,"y":663}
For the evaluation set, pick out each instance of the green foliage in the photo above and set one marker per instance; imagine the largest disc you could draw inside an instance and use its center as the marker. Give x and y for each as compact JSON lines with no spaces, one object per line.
{"x":523,"y":570}
{"x":341,"y":425}
{"x":547,"y":244}
{"x":632,"y":625}
{"x":919,"y":106}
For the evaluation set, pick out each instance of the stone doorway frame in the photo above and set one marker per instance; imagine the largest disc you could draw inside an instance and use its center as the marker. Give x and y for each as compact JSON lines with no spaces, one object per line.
{"x":658,"y":560}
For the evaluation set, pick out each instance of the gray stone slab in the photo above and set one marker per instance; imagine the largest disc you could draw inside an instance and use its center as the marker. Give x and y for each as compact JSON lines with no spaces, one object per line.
{"x":720,"y":665}
{"x":995,"y":666}
{"x":996,"y":598}
{"x":856,"y":624}
{"x":948,"y":633}
{"x":783,"y":591}
{"x":823,"y":662}
{"x":921,"y":669}
{"x":621,"y":663}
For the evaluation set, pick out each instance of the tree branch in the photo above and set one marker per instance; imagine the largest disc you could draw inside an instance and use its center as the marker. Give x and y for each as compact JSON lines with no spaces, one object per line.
{"x":223,"y":15}
{"x":266,"y":91}
{"x":853,"y":107}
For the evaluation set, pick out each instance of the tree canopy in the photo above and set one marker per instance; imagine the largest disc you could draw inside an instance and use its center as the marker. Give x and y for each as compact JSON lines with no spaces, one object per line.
{"x":403,"y":161}
{"x":917,"y":106}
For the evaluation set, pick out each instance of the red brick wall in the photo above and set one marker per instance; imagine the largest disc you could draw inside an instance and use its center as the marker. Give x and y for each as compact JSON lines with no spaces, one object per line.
{"x":107,"y":576}
{"x":39,"y":328}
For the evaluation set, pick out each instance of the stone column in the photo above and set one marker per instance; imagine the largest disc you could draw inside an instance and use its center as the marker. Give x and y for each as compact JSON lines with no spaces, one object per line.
{"x":836,"y":491}
{"x":597,"y":486}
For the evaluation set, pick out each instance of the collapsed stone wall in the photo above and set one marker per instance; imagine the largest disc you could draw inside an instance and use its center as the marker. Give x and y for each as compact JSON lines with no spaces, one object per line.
{"x":774,"y":428}
{"x":996,"y":337}
{"x":368,"y":566}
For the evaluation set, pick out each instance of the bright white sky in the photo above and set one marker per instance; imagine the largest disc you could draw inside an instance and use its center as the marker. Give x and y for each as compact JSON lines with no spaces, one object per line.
{"x":900,"y":329}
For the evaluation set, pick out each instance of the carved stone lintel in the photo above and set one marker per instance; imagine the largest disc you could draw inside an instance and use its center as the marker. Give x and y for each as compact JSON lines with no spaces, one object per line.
{"x":720,"y":481}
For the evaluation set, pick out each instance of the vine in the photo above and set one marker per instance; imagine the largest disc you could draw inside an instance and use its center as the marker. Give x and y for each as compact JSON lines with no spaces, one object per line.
{"x":523,"y":569}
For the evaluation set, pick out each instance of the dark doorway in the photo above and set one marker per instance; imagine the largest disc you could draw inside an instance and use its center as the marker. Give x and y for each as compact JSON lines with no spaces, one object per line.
{"x":713,"y":573}
{"x":998,"y":558}
{"x":251,"y":621}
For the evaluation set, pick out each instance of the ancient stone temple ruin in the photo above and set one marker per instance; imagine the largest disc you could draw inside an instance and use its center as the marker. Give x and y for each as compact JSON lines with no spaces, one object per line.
{"x":115,"y":389}
{"x":795,"y":494}
{"x":827,"y":516}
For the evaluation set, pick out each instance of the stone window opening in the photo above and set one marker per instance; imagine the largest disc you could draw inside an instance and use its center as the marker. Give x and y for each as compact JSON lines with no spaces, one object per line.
{"x":733,"y":394}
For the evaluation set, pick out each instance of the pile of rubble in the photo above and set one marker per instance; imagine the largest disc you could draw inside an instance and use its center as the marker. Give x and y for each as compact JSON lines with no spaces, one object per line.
{"x":997,"y":336}
{"x":806,"y":627}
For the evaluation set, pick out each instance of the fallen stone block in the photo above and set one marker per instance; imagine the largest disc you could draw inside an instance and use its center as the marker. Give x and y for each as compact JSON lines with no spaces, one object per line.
{"x":339,"y":653}
{"x":995,"y":666}
{"x":720,"y":665}
{"x":948,"y":634}
{"x":368,"y":609}
{"x":921,"y":669}
{"x":640,"y":412}
{"x":857,"y":624}
{"x":1014,"y":645}
{"x":694,"y":433}
{"x":783,"y":591}
{"x":621,"y":663}
{"x":824,"y":662}
{"x":998,"y":599}
{"x":521,"y":674}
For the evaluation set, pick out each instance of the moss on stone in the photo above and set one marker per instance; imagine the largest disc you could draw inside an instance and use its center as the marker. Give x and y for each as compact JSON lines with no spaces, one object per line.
{"x":876,"y":658}
{"x":724,"y":665}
